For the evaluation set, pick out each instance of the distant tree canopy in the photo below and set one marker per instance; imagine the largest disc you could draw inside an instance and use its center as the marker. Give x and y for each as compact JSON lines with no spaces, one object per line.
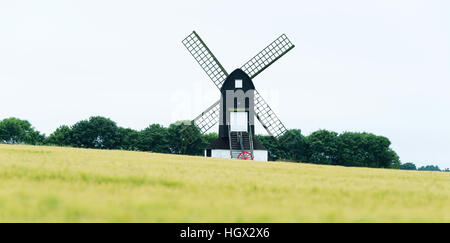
{"x":430,"y":168}
{"x":61,"y":136}
{"x":97,"y":132}
{"x":320,"y":147}
{"x":412,"y":166}
{"x":326,"y":147}
{"x":408,"y":166}
{"x":154,"y":138}
{"x":294,"y":146}
{"x":15,"y":131}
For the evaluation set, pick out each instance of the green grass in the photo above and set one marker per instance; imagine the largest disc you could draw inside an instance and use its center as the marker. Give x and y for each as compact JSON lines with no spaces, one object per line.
{"x":52,"y":184}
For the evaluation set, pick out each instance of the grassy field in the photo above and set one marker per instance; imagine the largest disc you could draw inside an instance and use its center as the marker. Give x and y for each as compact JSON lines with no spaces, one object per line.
{"x":52,"y":184}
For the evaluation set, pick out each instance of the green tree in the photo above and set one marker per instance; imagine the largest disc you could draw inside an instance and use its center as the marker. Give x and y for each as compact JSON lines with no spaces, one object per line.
{"x":97,"y":132}
{"x":394,"y":159}
{"x":364,"y":149}
{"x":323,"y":147}
{"x":62,"y":136}
{"x":380,"y":155}
{"x":408,"y":166}
{"x":294,"y":145}
{"x":179,"y":145}
{"x":429,"y":168}
{"x":351,"y":152}
{"x":16,"y":131}
{"x":130,"y":139}
{"x":154,"y":138}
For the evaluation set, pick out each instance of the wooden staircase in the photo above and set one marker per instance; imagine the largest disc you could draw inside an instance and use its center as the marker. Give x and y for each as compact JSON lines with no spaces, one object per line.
{"x":240,"y":142}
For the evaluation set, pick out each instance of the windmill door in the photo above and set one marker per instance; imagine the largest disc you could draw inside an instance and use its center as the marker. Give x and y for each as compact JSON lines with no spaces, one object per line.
{"x":239,"y":121}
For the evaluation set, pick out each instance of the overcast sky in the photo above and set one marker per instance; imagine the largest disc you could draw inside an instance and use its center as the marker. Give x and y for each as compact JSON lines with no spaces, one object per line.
{"x":376,"y":66}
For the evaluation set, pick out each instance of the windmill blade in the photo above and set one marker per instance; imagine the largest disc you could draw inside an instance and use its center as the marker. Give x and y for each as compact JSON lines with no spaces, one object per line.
{"x":267,"y":117}
{"x":208,"y":118}
{"x":202,"y":122}
{"x":268,"y":56}
{"x":205,"y":58}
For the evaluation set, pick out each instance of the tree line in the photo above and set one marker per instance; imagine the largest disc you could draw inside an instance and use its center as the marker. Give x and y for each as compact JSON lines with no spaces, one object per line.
{"x":320,"y":147}
{"x":412,"y":166}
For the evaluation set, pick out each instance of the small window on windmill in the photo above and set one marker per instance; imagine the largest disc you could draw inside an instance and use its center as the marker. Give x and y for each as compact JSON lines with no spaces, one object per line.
{"x":238,"y":83}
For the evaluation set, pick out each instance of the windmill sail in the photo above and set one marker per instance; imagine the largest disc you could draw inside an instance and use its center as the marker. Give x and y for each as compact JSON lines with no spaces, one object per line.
{"x":205,"y":58}
{"x":208,"y":118}
{"x":267,"y":117}
{"x":268,"y":56}
{"x":202,"y":122}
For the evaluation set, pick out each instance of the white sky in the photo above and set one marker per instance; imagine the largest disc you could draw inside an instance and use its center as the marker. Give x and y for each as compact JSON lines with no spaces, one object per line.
{"x":374,"y":66}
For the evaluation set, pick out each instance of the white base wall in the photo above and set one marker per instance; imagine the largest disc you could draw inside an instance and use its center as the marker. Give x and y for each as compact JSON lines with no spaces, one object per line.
{"x":258,"y":155}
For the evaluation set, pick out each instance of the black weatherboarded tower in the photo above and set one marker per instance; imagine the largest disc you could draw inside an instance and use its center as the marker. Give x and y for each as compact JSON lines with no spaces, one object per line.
{"x":240,"y":91}
{"x":239,"y":103}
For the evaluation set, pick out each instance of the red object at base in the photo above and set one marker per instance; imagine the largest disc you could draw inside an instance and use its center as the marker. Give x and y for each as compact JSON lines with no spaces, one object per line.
{"x":245,"y":155}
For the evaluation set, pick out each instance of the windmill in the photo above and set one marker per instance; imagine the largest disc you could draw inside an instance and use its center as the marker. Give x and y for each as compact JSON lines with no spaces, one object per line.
{"x":236,"y":127}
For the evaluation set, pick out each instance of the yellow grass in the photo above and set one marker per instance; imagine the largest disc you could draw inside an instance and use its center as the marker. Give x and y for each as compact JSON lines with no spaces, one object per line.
{"x":53,"y":184}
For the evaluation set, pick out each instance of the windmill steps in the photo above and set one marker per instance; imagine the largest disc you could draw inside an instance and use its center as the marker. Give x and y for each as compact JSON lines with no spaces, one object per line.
{"x":235,"y":141}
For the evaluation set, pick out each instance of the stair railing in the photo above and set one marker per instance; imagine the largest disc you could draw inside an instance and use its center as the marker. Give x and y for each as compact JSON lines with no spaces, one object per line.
{"x":250,"y":136}
{"x":229,"y":139}
{"x":241,"y":141}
